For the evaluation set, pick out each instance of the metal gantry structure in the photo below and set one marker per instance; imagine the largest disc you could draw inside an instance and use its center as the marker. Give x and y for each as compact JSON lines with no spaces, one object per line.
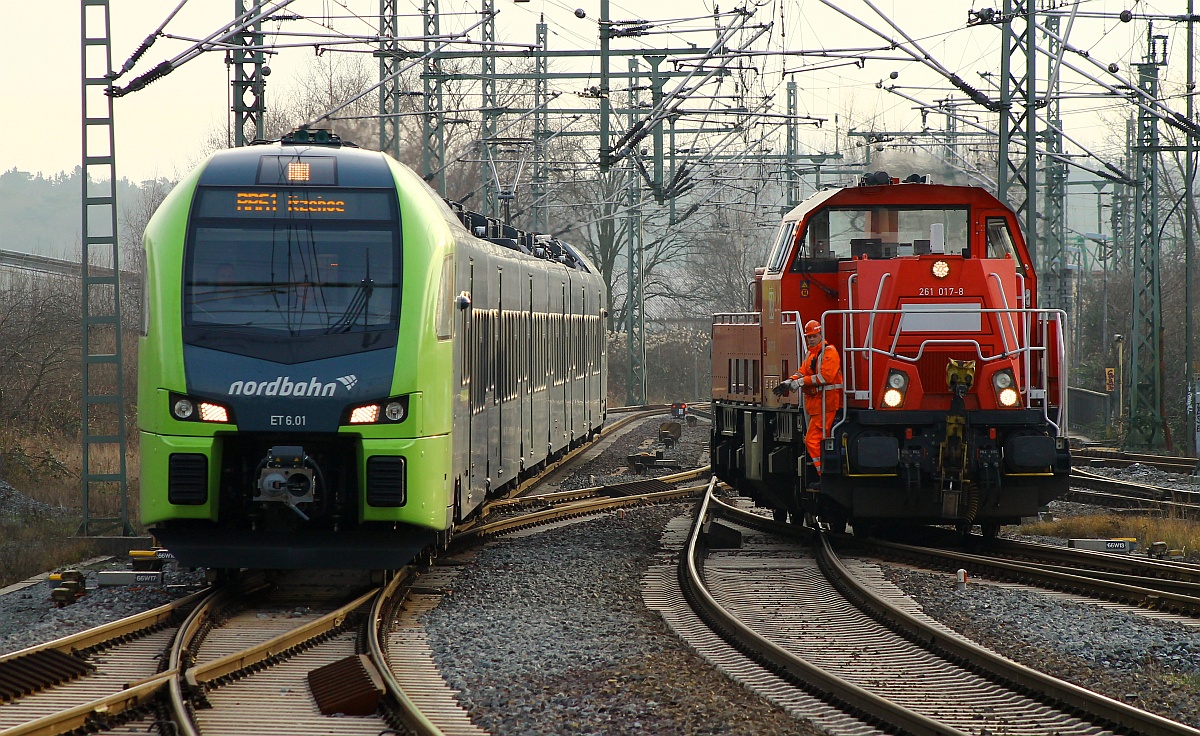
{"x":494,"y":185}
{"x":1030,"y":142}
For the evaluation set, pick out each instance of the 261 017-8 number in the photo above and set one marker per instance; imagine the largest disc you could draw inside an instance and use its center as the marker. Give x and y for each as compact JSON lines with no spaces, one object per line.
{"x":940,"y":291}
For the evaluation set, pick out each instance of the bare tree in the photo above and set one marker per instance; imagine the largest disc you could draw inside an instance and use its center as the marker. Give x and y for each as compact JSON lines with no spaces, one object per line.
{"x":39,"y":350}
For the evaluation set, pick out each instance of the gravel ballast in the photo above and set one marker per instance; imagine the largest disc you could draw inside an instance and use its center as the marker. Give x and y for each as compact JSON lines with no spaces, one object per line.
{"x":547,"y":634}
{"x":1153,"y":664}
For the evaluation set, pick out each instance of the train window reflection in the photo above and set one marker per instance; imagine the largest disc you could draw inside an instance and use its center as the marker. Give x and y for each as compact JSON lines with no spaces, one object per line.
{"x":292,"y":280}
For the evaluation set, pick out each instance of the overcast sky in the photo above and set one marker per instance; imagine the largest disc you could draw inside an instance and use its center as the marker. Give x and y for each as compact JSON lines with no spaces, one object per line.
{"x":161,"y":129}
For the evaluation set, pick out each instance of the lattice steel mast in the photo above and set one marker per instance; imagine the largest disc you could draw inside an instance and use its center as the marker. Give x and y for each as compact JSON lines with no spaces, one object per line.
{"x":433,"y":134}
{"x":248,"y":82}
{"x":635,"y":381}
{"x":1017,"y":181}
{"x":103,"y":480}
{"x":389,"y":89}
{"x":1148,"y":426}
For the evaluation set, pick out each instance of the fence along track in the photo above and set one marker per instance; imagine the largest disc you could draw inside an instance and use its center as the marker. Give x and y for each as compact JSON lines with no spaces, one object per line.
{"x":858,"y":697}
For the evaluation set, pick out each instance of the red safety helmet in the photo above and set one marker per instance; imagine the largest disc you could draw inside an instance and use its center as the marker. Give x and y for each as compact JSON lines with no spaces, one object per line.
{"x":812,"y":327}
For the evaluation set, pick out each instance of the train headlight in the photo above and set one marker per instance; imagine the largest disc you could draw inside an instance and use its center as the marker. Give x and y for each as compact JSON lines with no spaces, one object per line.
{"x":365,"y":414}
{"x":1009,"y":397}
{"x":940,"y":269}
{"x":183,"y":409}
{"x":384,"y":411}
{"x":1002,"y":380}
{"x":213,"y":412}
{"x":896,"y":387}
{"x":395,"y":411}
{"x":188,"y":409}
{"x":1005,"y":384}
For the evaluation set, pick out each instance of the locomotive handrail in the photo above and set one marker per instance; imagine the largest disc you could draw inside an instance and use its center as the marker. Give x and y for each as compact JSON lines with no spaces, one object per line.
{"x":1025,"y":352}
{"x":795,"y":323}
{"x":1004,"y":299}
{"x":750,"y":318}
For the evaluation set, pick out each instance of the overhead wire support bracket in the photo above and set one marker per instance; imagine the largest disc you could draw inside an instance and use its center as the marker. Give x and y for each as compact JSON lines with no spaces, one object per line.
{"x":229,"y":31}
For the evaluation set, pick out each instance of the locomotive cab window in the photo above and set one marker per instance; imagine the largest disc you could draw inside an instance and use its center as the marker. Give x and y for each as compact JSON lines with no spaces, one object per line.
{"x":1000,"y":242}
{"x":783,"y":243}
{"x":838,"y":233}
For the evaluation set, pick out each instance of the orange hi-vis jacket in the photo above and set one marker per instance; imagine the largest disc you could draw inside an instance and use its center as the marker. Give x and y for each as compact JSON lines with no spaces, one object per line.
{"x":819,"y":374}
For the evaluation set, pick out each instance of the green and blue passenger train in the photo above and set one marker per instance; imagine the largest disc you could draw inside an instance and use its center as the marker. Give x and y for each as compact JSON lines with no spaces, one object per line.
{"x":337,"y":365}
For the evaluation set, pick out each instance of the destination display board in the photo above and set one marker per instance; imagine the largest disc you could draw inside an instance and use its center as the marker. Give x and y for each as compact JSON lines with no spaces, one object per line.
{"x":307,"y":203}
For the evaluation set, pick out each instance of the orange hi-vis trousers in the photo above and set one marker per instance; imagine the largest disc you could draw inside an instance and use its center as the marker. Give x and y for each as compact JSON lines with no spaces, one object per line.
{"x":816,"y":430}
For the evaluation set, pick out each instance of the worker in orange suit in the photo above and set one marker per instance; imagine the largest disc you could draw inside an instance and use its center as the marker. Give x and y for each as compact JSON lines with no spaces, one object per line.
{"x":820,"y":379}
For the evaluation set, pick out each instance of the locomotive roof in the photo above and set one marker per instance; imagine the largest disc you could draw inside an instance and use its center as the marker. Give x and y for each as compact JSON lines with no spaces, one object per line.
{"x":895,"y":195}
{"x":354,"y":167}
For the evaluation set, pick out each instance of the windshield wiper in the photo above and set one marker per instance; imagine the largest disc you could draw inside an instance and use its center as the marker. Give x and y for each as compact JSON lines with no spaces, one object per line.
{"x":355,"y":309}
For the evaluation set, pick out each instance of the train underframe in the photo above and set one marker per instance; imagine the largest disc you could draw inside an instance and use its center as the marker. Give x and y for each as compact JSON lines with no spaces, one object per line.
{"x":887,"y":469}
{"x":289,"y":501}
{"x":306,"y":500}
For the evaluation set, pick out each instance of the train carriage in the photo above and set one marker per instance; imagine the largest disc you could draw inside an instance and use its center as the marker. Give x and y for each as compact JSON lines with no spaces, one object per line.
{"x":336,"y":365}
{"x":954,"y":392}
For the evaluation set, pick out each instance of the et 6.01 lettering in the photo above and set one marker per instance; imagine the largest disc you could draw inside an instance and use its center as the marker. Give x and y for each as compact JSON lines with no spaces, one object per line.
{"x":288,"y":420}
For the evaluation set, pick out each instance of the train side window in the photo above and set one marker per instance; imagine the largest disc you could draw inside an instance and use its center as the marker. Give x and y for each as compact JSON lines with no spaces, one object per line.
{"x":1000,"y":242}
{"x":783,"y":243}
{"x":445,"y":314}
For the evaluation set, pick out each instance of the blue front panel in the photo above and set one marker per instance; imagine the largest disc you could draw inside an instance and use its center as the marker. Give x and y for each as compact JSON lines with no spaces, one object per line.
{"x":277,"y":397}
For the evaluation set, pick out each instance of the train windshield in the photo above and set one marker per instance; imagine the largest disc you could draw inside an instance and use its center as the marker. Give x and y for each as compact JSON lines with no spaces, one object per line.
{"x":884,"y":232}
{"x":293,"y":272}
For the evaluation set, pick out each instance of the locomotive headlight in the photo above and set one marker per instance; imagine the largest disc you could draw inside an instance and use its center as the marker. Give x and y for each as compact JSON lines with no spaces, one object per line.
{"x":183,"y":409}
{"x":940,"y":269}
{"x":1006,"y":391}
{"x":897,"y":385}
{"x":394,"y":411}
{"x":1009,"y":397}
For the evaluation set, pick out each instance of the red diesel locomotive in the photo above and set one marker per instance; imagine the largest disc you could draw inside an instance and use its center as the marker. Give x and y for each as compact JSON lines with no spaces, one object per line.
{"x":953,"y":394}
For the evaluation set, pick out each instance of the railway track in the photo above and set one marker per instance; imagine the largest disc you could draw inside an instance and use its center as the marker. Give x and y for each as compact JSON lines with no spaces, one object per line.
{"x":242,"y":659}
{"x":1099,"y":490}
{"x":70,"y":673}
{"x":1114,"y":458}
{"x":1136,"y":581}
{"x":811,"y":617}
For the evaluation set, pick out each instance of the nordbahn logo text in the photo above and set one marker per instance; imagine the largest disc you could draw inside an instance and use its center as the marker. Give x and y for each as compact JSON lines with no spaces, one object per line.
{"x":285,"y":386}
